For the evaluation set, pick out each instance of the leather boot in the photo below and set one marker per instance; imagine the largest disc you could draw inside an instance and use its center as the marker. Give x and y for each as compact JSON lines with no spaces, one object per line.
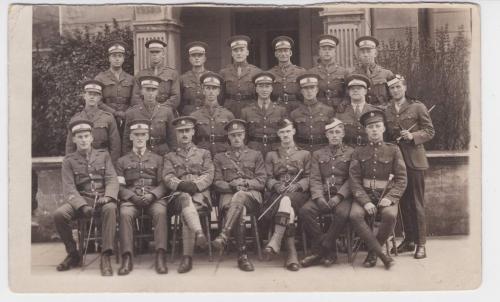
{"x":160,"y":263}
{"x":106,"y":269}
{"x":127,"y":265}
{"x":73,"y":259}
{"x":311,"y":260}
{"x":274,"y":245}
{"x":292,"y":262}
{"x":329,"y":259}
{"x":244,"y":263}
{"x":233,"y":216}
{"x":186,"y":264}
{"x":420,"y":252}
{"x":404,"y":246}
{"x":370,"y":260}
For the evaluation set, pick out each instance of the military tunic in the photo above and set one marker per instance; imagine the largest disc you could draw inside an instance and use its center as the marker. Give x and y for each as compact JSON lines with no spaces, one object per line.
{"x":412,"y":112}
{"x":310,"y":122}
{"x":169,"y":91}
{"x":83,"y":178}
{"x":239,"y":90}
{"x":161,"y":136}
{"x":190,"y":164}
{"x":286,"y":91}
{"x":140,"y":175}
{"x":331,"y":84}
{"x":377,"y":95}
{"x":355,"y":133}
{"x":263,"y":126}
{"x":117,"y":92}
{"x":210,"y":133}
{"x":283,"y":165}
{"x":246,"y":164}
{"x":192,"y":97}
{"x":104,"y":131}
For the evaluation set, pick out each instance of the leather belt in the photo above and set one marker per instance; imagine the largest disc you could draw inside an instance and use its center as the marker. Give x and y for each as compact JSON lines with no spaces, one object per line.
{"x":374,"y":184}
{"x":117,"y":99}
{"x":90,"y":194}
{"x":357,"y":141}
{"x":90,"y":186}
{"x":239,"y":97}
{"x":264,"y":139}
{"x":213,"y":138}
{"x":155,"y":141}
{"x":142,"y":182}
{"x":287,"y":97}
{"x":312,"y":140}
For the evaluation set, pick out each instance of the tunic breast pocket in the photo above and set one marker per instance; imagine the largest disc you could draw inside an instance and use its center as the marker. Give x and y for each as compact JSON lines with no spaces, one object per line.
{"x":408,"y":120}
{"x":325,"y":166}
{"x":383,"y":166}
{"x":341,"y":164}
{"x":130,"y":172}
{"x":100,"y":133}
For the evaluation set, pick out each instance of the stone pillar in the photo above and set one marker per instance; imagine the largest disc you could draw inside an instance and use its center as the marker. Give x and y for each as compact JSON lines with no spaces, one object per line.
{"x":347,"y":25}
{"x":156,"y":22}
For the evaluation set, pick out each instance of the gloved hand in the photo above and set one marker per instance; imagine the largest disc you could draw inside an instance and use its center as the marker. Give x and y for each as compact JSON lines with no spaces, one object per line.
{"x":188,"y":187}
{"x":334,"y":201}
{"x":87,"y":211}
{"x":322,"y":204}
{"x":148,"y":198}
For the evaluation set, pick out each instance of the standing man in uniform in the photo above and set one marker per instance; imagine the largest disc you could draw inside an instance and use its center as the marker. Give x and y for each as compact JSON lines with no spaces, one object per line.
{"x":312,"y":116}
{"x":402,"y":114}
{"x":104,"y":131}
{"x":369,"y":176}
{"x":240,"y":89}
{"x":240,"y":178}
{"x":117,"y":84}
{"x":161,"y":137}
{"x":367,"y":53}
{"x":141,"y":190}
{"x":285,"y":89}
{"x":332,"y":75}
{"x":169,"y":89}
{"x":282,"y":167}
{"x":211,"y":118}
{"x":349,"y":112}
{"x":189,"y":172}
{"x":89,"y":183}
{"x":263,"y":116}
{"x":191,"y":89}
{"x":330,"y":191}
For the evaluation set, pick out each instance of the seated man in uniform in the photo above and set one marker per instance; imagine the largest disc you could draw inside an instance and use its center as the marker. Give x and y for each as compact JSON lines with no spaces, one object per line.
{"x":189,"y":172}
{"x":374,"y":191}
{"x":330,"y":191}
{"x":240,"y":177}
{"x":141,"y":189}
{"x":89,"y":182}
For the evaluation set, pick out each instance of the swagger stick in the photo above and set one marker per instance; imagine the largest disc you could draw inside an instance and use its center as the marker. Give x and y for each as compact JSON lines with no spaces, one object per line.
{"x":89,"y":232}
{"x":414,"y":125}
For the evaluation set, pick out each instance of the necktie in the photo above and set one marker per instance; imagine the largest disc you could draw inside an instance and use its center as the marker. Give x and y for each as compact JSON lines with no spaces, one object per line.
{"x":238,"y":70}
{"x":357,"y":111}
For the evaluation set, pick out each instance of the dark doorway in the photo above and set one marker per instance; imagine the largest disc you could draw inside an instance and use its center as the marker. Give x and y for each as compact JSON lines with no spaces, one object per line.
{"x":263,"y":25}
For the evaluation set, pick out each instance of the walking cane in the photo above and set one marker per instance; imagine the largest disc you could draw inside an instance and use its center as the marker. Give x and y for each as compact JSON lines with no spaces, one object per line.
{"x":89,"y":232}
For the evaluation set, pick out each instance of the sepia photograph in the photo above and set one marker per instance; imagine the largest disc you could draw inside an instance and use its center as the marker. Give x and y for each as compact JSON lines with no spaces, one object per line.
{"x":331,"y":147}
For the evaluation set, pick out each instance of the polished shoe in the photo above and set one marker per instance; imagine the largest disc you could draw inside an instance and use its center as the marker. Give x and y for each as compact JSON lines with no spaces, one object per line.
{"x":388,"y":261}
{"x":219,"y":243}
{"x":201,"y":240}
{"x":292,"y":261}
{"x":404,"y":246}
{"x":244,"y":263}
{"x":186,"y":265}
{"x":106,"y":269}
{"x":329,"y":259}
{"x":314,"y":259}
{"x":370,"y":260}
{"x":420,"y":252}
{"x":127,"y":265}
{"x":269,"y":253}
{"x":71,"y":260}
{"x":160,"y":263}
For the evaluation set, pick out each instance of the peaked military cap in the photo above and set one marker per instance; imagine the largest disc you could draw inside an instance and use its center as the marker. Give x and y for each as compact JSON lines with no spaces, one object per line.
{"x":80,"y":125}
{"x":155,"y":43}
{"x":308,"y":79}
{"x":358,"y":80}
{"x":372,"y":116}
{"x":235,"y":125}
{"x":140,"y":125}
{"x":327,"y":40}
{"x":263,"y":77}
{"x":367,"y":42}
{"x":211,"y":79}
{"x":196,"y":47}
{"x":93,"y":85}
{"x":282,"y":42}
{"x":184,"y":122}
{"x":150,"y":81}
{"x":238,"y":41}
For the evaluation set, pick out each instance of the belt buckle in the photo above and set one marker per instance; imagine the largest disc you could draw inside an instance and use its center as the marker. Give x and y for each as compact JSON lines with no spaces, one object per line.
{"x":211,"y":138}
{"x":238,"y":97}
{"x":285,"y":98}
{"x":328,"y":94}
{"x":264,"y":139}
{"x":358,"y":140}
{"x":311,"y":140}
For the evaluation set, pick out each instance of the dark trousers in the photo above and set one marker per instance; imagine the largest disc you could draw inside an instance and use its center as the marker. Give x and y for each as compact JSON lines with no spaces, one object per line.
{"x":412,"y":207}
{"x":308,"y":215}
{"x":66,"y":213}
{"x":388,"y":217}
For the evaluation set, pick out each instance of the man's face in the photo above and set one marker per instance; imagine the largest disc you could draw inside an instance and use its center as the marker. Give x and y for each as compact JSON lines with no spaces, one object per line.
{"x":283,"y":54}
{"x":149,"y":94}
{"x":139,"y":139}
{"x":237,"y":139}
{"x":335,"y":135}
{"x":211,"y":93}
{"x":83,"y":140}
{"x":184,"y":136}
{"x":156,"y":56}
{"x":92,"y":98}
{"x":375,"y":131}
{"x":309,"y":92}
{"x":357,"y":93}
{"x":240,"y":54}
{"x":327,"y":53}
{"x":264,"y":90}
{"x":367,"y":55}
{"x":116,"y":59}
{"x":397,"y":91}
{"x":197,"y":59}
{"x":286,"y":134}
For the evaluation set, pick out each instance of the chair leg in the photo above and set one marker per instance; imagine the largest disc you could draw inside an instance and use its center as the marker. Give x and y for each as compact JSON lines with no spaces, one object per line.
{"x":255,"y":228}
{"x":304,"y":240}
{"x":174,"y":237}
{"x":209,"y":237}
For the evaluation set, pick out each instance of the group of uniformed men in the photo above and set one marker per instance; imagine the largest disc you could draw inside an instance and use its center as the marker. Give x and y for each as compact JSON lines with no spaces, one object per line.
{"x":292,"y":143}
